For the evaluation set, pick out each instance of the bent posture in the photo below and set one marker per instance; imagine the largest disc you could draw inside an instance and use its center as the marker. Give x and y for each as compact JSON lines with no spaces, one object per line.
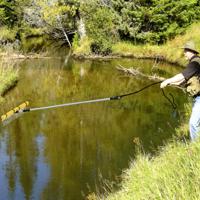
{"x":190,"y":76}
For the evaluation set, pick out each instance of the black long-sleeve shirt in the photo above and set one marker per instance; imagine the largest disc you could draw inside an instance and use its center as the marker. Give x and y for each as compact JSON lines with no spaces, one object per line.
{"x":193,"y":68}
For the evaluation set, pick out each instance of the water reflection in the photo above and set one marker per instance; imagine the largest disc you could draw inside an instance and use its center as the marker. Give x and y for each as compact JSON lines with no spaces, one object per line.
{"x":59,"y":153}
{"x":22,"y":175}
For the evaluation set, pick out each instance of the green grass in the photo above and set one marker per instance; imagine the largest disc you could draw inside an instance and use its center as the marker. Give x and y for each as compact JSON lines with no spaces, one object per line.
{"x":174,"y":174}
{"x":7,"y":34}
{"x":171,"y":51}
{"x":8,"y":77}
{"x":82,"y":48}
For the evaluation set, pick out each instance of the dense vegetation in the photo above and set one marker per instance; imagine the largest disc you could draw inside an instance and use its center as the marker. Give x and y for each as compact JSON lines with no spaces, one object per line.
{"x":104,"y":22}
{"x":155,"y":21}
{"x":173,"y":174}
{"x":171,"y":51}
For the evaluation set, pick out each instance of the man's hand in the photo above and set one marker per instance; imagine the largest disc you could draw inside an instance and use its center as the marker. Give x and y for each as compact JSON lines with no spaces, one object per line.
{"x":164,"y":83}
{"x":175,"y":80}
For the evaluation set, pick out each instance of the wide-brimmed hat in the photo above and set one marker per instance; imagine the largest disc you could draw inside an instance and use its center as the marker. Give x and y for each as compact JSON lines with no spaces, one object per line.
{"x":190,"y":46}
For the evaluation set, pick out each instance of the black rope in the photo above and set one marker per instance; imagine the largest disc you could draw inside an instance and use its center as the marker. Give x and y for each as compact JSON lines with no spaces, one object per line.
{"x":172,"y":102}
{"x":124,"y":95}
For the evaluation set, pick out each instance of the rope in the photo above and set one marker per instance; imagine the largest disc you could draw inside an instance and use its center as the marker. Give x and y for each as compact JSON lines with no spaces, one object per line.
{"x":173,"y":104}
{"x":124,"y":95}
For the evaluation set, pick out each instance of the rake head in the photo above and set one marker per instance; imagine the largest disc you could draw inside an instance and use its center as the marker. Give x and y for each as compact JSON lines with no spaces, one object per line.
{"x":14,"y":111}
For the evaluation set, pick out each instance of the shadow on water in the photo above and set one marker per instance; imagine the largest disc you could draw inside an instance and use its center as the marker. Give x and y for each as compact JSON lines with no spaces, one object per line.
{"x":59,"y":153}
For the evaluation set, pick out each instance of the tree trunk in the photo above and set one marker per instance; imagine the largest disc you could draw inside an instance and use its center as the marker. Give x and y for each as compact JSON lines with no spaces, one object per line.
{"x":81,"y":28}
{"x":63,"y":30}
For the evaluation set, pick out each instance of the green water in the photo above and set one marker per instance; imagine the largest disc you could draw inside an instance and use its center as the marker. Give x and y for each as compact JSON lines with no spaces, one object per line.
{"x":67,"y":153}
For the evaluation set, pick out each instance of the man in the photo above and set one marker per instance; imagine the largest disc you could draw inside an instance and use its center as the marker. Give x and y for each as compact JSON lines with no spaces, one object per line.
{"x":191,"y":77}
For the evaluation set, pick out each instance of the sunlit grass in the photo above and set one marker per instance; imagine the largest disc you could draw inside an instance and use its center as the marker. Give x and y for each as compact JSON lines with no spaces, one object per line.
{"x":8,"y":77}
{"x":174,"y":174}
{"x":83,"y":48}
{"x":7,"y":34}
{"x":171,"y":51}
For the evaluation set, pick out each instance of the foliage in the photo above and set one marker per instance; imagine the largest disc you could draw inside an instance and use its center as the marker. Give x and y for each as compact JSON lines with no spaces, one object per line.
{"x":139,"y":21}
{"x":57,"y":17}
{"x":75,"y":43}
{"x":155,"y":21}
{"x":170,"y":51}
{"x":8,"y":15}
{"x":100,"y":26}
{"x":35,"y":18}
{"x":7,"y":35}
{"x":8,"y":39}
{"x":82,"y":48}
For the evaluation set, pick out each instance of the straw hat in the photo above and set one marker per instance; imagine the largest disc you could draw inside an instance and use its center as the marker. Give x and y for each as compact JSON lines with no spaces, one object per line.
{"x":190,"y":46}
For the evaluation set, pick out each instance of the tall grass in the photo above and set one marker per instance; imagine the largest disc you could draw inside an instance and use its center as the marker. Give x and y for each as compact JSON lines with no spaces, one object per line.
{"x":82,"y":48}
{"x":174,"y":174}
{"x":171,"y":51}
{"x":7,"y":34}
{"x":8,"y":77}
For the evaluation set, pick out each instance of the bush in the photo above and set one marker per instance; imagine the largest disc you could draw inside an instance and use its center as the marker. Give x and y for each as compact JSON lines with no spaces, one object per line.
{"x":81,"y":47}
{"x":7,"y":34}
{"x":100,"y":26}
{"x":101,"y":46}
{"x":9,"y":39}
{"x":155,"y":21}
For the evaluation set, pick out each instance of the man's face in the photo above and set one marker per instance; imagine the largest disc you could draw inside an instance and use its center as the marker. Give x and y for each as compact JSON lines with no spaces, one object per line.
{"x":188,"y":54}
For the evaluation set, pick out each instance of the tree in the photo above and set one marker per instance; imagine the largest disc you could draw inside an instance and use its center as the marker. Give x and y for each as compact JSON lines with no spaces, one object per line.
{"x":8,"y":16}
{"x":100,"y":22}
{"x":57,"y":17}
{"x":154,"y":21}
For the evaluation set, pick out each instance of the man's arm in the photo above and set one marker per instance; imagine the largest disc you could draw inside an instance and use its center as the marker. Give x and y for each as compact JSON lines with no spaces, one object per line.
{"x":175,"y":80}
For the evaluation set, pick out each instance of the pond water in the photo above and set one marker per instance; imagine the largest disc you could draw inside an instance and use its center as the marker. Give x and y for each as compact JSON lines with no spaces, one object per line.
{"x":67,"y":153}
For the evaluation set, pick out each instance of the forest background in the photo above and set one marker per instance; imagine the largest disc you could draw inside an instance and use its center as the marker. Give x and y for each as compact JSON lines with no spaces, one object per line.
{"x":98,"y":23}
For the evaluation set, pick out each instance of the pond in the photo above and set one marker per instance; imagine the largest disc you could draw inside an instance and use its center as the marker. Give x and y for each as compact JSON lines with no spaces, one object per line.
{"x":69,"y":152}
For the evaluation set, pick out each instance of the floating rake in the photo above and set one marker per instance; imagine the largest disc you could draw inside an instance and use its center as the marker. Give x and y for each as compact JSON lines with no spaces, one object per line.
{"x":14,"y":111}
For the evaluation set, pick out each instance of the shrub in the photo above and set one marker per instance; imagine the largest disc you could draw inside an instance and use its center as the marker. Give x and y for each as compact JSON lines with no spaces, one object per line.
{"x":100,"y":26}
{"x":155,"y":21}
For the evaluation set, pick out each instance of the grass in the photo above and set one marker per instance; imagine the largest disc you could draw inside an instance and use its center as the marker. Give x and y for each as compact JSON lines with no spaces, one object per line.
{"x":83,"y":47}
{"x":7,"y":34}
{"x":171,"y":51}
{"x":8,"y":77}
{"x":174,"y":174}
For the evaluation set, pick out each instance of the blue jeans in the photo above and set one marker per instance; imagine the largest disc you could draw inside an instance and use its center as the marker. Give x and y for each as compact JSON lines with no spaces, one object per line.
{"x":195,"y":119}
